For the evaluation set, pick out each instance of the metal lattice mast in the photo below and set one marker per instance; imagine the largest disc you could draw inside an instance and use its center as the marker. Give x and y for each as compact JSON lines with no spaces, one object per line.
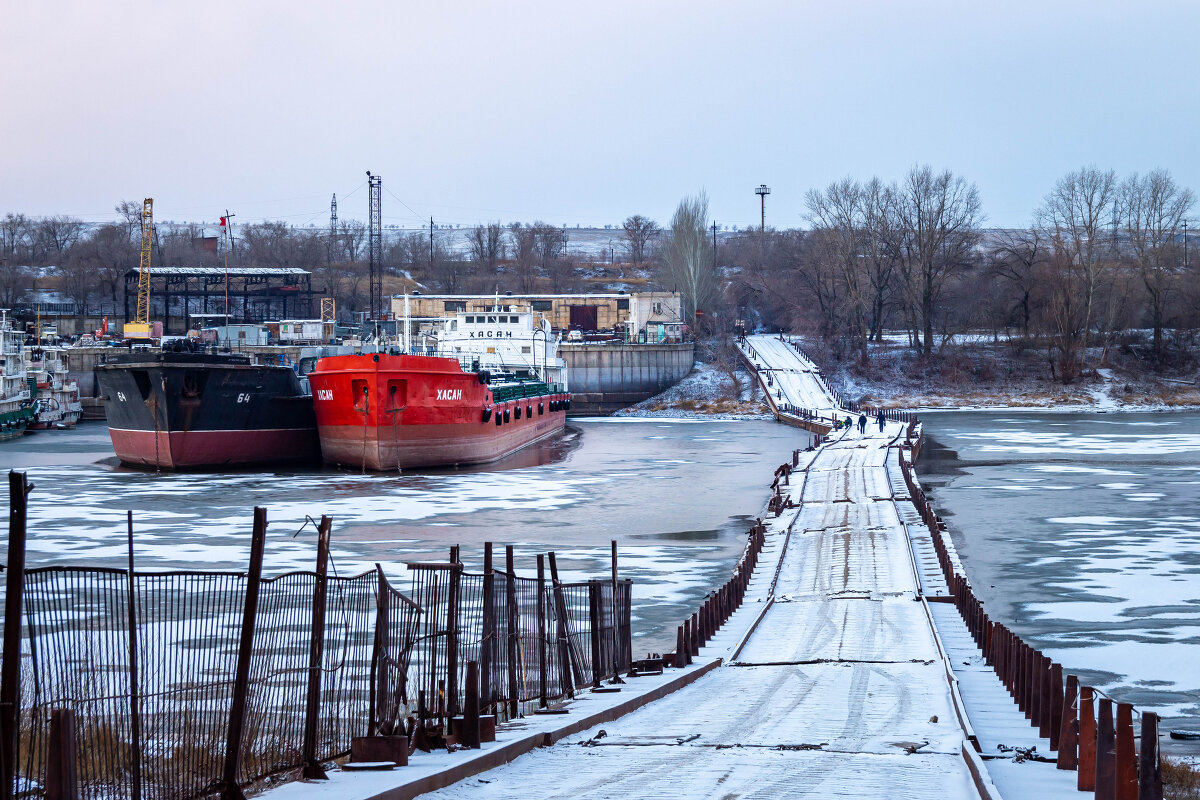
{"x":333,"y":222}
{"x":375,"y":243}
{"x":143,"y":295}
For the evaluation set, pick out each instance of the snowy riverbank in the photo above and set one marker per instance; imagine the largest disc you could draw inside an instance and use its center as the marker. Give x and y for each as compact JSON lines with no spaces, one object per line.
{"x":706,"y":393}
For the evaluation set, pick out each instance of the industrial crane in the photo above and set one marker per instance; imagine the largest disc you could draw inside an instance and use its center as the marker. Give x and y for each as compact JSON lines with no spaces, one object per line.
{"x":140,"y":327}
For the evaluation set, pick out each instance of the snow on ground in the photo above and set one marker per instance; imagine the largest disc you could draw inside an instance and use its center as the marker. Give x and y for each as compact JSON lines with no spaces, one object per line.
{"x":707,"y":392}
{"x":978,"y":374}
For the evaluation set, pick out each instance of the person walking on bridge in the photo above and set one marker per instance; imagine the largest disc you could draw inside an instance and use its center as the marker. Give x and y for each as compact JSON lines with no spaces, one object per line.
{"x":880,"y":419}
{"x":862,"y":424}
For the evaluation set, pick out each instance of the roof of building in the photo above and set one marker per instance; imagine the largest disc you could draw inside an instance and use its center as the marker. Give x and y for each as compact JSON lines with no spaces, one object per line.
{"x":493,"y":296}
{"x":221,"y":271}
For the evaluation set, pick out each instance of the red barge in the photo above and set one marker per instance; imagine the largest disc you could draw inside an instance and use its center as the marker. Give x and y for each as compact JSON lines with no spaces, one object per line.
{"x":483,"y":396}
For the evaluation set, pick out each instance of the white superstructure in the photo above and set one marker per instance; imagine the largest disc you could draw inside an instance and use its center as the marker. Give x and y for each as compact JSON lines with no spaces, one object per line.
{"x":503,"y":338}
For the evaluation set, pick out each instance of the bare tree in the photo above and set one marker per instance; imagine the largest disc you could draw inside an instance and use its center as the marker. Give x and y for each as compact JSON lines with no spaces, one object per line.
{"x":939,"y":216}
{"x":57,"y":234}
{"x":1152,"y":209}
{"x":109,"y":252}
{"x":1079,"y":210}
{"x":1017,"y":260}
{"x":838,"y":219}
{"x":525,"y":256}
{"x":17,"y":230}
{"x":687,"y":256}
{"x":639,"y":231}
{"x":486,"y":244}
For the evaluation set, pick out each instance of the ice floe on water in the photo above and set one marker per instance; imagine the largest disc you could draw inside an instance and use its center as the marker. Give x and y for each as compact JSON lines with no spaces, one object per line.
{"x":1104,"y":575}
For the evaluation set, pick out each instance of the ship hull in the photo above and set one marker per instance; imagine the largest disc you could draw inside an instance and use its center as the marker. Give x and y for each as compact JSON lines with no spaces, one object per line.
{"x":196,"y":412}
{"x":421,"y":412}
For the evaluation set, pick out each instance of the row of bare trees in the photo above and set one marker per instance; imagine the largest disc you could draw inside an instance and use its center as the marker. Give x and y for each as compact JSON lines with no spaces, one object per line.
{"x":1102,"y":255}
{"x":87,"y":263}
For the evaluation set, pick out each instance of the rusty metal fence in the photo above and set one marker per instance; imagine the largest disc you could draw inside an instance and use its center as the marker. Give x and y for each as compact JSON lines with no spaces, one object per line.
{"x":122,"y":683}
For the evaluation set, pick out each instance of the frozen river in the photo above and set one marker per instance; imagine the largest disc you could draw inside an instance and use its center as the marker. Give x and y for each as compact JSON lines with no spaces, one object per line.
{"x":677,"y":496}
{"x":1083,"y":531}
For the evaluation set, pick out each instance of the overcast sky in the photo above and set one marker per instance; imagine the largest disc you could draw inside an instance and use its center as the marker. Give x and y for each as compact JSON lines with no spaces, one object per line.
{"x":576,"y":112}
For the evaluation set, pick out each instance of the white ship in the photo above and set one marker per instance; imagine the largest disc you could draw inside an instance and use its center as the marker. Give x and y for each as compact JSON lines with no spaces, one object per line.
{"x":55,"y":395}
{"x":16,"y":401}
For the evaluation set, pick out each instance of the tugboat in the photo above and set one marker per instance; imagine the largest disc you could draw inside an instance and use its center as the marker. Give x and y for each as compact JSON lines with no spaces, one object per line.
{"x":55,"y":395}
{"x":192,"y":408}
{"x":16,"y":401}
{"x":491,"y":385}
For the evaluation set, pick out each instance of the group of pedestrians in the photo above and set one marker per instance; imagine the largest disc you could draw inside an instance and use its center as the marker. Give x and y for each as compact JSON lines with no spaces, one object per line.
{"x":862,"y":422}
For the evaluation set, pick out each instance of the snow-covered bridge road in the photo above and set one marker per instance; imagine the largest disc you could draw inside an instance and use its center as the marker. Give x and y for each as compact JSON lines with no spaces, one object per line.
{"x":788,"y":376}
{"x":840,"y":690}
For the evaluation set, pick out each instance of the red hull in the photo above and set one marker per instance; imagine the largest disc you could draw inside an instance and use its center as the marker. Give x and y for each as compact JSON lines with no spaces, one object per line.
{"x":197,"y":449}
{"x":396,"y":412}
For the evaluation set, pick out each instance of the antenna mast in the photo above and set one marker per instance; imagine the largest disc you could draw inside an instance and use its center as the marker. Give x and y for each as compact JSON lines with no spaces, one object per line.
{"x":375,"y":239}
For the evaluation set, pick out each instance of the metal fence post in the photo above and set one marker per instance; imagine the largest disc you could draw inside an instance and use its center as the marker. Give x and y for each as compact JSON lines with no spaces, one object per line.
{"x":488,"y":636}
{"x":616,"y":632}
{"x":241,"y":681}
{"x":452,"y":603}
{"x":316,"y":654}
{"x":379,"y":654}
{"x":10,"y":666}
{"x":543,"y":677}
{"x":468,"y":734}
{"x":135,"y":712}
{"x":514,"y":633}
{"x":61,"y":779}
{"x":594,"y":617}
{"x":566,"y":654}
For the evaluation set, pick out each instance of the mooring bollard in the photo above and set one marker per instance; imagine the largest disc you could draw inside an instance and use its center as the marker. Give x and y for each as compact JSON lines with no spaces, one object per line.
{"x":1106,"y":755}
{"x":1149,"y":765}
{"x":1086,"y":781}
{"x":1126,"y":756}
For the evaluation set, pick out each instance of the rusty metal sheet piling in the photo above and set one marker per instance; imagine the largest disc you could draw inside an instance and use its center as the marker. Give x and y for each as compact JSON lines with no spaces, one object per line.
{"x":1150,"y":785}
{"x":1068,"y":737}
{"x":1126,"y":756}
{"x":1106,"y":755}
{"x":1087,"y":740}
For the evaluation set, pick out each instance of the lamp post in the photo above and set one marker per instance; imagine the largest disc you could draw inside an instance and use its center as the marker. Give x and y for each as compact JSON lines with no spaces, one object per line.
{"x":762,"y":191}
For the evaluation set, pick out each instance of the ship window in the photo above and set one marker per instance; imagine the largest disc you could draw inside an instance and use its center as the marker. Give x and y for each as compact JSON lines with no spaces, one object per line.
{"x":453,"y":324}
{"x":514,"y":320}
{"x":524,"y":349}
{"x":470,"y":320}
{"x":492,"y":319}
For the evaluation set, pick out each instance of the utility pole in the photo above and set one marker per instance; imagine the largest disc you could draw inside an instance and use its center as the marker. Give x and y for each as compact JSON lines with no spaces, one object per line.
{"x":333,"y":223}
{"x":227,"y":229}
{"x":762,"y":191}
{"x":375,"y":245}
{"x":431,"y":244}
{"x":1185,"y":245}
